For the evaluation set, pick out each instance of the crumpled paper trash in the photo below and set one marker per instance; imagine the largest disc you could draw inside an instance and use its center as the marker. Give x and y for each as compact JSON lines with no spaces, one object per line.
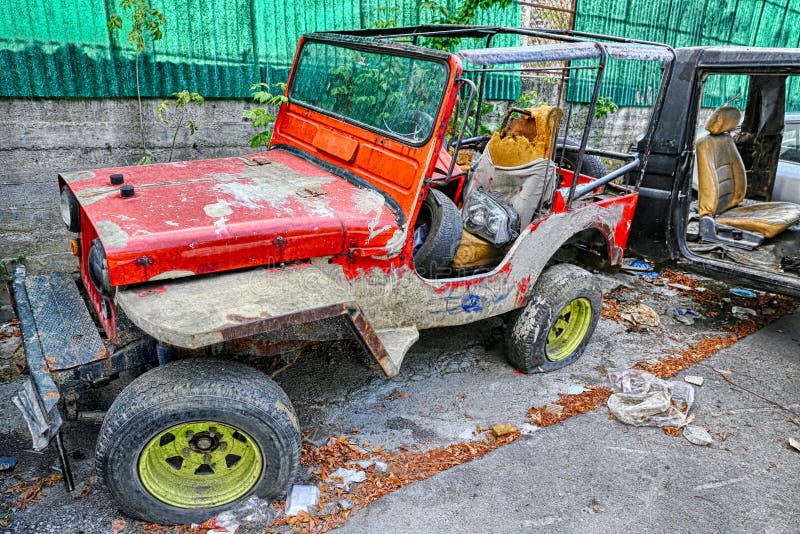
{"x":641,"y":399}
{"x":342,"y":478}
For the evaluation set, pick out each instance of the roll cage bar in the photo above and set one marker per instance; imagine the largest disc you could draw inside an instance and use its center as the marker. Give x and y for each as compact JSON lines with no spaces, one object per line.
{"x":571,"y":45}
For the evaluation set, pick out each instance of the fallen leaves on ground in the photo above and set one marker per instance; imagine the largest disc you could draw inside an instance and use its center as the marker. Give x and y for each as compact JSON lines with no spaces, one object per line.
{"x":571,"y":405}
{"x":404,"y":467}
{"x":30,"y":491}
{"x":673,"y":431}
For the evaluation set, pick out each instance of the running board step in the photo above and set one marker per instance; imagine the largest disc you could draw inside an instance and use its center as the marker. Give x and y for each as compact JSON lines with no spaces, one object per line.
{"x":67,"y":333}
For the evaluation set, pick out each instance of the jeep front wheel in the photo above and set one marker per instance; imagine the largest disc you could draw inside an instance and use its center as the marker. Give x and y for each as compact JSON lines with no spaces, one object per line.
{"x":552,"y":331}
{"x":189,"y":439}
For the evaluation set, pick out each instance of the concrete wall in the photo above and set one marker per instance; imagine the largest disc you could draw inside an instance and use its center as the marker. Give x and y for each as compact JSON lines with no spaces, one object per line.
{"x":39,"y":138}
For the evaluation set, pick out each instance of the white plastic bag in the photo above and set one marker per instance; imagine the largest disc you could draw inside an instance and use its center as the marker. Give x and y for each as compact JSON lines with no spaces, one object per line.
{"x":641,"y":399}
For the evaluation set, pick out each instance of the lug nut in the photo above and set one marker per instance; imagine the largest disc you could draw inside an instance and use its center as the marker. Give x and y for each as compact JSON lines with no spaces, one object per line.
{"x":223,"y":445}
{"x":126,"y":191}
{"x":207,"y":459}
{"x":117,"y":179}
{"x":189,"y":434}
{"x":212,"y":431}
{"x":186,"y":452}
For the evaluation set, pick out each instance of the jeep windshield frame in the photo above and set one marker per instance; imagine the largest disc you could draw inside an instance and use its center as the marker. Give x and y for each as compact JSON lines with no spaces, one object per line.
{"x":342,"y":102}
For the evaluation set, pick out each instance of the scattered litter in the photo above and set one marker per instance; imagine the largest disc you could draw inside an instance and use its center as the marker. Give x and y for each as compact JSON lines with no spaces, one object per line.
{"x":363,"y":464}
{"x":743,"y":313}
{"x":251,"y":512}
{"x":345,"y":504}
{"x":697,"y":435}
{"x":302,"y":499}
{"x":641,"y":315}
{"x":795,"y":444}
{"x":467,"y":435}
{"x":7,"y":463}
{"x":342,"y":478}
{"x":527,"y":429}
{"x":682,"y":287}
{"x":686,"y":316}
{"x":503,"y":429}
{"x":694,"y":380}
{"x":366,"y":464}
{"x":118,"y":525}
{"x":744,"y":293}
{"x":575,"y":389}
{"x":641,"y":399}
{"x":641,"y":268}
{"x":554,"y":408}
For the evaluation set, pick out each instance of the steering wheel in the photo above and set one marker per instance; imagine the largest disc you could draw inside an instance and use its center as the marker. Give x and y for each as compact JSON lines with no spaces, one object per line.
{"x":412,"y":125}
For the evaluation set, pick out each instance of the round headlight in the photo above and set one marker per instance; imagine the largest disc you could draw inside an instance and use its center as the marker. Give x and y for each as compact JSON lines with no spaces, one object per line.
{"x":70,"y":210}
{"x":98,"y":268}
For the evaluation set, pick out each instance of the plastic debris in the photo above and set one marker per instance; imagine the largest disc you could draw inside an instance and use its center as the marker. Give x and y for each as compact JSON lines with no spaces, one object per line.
{"x":342,"y":478}
{"x":697,"y":435}
{"x":7,"y":463}
{"x":794,"y":443}
{"x":686,"y":316}
{"x":503,"y":429}
{"x":301,"y":499}
{"x":575,"y":389}
{"x":345,"y":504}
{"x":743,"y":313}
{"x":641,"y":315}
{"x":639,"y":398}
{"x":526,"y":429}
{"x":381,"y":467}
{"x":467,"y":435}
{"x":744,"y":293}
{"x":641,"y":268}
{"x":694,"y":380}
{"x":253,"y":511}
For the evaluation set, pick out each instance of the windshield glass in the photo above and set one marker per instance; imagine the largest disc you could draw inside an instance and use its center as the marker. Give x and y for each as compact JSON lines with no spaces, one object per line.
{"x":396,"y":95}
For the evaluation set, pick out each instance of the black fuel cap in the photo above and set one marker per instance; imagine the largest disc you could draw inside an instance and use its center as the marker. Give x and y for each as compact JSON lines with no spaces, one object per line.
{"x":126,"y":191}
{"x":117,"y":179}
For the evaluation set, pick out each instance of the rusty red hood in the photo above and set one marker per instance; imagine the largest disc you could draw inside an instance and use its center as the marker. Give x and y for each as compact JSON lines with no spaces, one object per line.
{"x":205,"y":216}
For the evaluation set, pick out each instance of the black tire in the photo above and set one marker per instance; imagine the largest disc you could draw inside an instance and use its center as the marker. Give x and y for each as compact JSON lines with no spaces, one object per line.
{"x":444,"y":234}
{"x":190,"y":390}
{"x":528,"y":328}
{"x":592,"y":166}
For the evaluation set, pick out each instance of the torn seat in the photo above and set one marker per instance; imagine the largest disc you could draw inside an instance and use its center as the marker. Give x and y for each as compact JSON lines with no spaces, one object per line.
{"x":722,"y":184}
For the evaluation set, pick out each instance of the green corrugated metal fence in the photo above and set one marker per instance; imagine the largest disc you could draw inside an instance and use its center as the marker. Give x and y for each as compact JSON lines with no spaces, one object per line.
{"x":773,"y":23}
{"x":62,"y":48}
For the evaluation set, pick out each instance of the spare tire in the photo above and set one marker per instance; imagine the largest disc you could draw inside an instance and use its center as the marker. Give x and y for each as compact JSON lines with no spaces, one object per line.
{"x":592,"y":166}
{"x":443,"y":220}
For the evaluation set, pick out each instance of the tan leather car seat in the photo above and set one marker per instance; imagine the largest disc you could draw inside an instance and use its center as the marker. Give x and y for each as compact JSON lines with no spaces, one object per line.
{"x":722,"y":182}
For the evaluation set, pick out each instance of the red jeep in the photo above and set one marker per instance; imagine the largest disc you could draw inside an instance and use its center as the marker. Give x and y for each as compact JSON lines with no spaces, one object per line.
{"x":364,"y":218}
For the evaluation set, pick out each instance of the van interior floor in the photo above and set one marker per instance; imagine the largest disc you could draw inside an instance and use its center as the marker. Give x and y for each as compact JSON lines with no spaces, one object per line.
{"x":781,"y":254}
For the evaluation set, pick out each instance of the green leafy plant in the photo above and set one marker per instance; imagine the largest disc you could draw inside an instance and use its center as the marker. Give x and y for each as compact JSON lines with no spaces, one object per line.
{"x":604,"y":107}
{"x":145,"y":21}
{"x":181,"y":102}
{"x":7,"y":265}
{"x":270,"y":97}
{"x":463,"y":14}
{"x":530,"y":99}
{"x":389,"y":20}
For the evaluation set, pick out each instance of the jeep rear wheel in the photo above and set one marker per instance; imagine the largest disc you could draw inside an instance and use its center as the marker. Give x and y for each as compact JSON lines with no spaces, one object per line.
{"x":187,"y":440}
{"x":552,"y":331}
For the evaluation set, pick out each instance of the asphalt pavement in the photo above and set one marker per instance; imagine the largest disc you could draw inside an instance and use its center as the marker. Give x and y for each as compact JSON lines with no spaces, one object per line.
{"x":594,"y":474}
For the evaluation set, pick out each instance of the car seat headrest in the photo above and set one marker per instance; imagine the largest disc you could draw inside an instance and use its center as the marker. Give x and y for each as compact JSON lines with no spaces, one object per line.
{"x":723,"y":119}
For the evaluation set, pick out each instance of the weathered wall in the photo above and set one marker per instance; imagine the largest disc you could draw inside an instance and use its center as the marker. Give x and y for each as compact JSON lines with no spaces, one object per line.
{"x":39,"y":138}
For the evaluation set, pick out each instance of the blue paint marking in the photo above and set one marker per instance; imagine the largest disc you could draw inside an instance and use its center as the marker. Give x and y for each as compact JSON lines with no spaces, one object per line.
{"x":471,"y":303}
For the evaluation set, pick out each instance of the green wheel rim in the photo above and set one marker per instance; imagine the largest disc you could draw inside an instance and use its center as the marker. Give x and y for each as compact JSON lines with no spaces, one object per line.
{"x":569,"y":330}
{"x":200,"y":464}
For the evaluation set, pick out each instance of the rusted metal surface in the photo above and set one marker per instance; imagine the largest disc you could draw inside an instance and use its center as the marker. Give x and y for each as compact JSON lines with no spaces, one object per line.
{"x":38,"y":398}
{"x":67,"y":333}
{"x":198,"y":217}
